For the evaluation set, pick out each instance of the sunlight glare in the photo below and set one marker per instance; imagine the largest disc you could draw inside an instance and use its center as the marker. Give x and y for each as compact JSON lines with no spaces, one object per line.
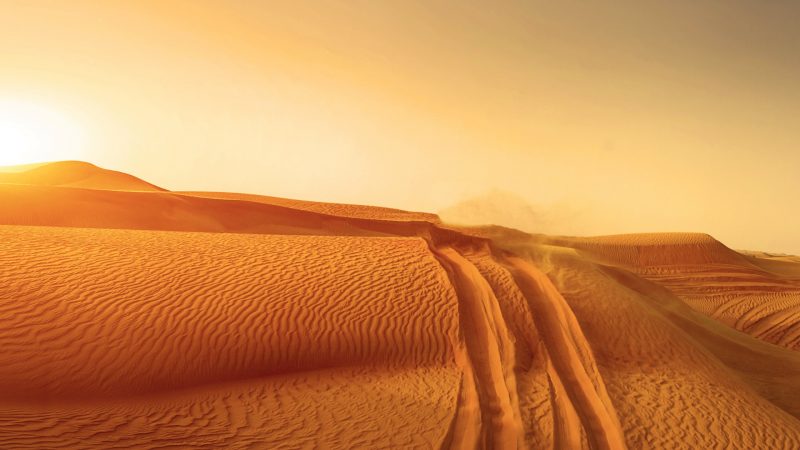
{"x":31,"y":132}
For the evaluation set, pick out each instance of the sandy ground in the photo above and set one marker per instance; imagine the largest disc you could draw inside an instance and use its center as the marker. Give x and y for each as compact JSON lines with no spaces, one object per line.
{"x":134,"y":317}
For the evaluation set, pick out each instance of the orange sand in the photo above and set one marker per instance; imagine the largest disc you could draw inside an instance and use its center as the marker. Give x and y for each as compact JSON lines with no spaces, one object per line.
{"x":133,"y":317}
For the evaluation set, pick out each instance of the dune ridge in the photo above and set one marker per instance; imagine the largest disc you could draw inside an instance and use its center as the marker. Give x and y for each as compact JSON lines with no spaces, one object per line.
{"x":151,"y":319}
{"x":336,"y":209}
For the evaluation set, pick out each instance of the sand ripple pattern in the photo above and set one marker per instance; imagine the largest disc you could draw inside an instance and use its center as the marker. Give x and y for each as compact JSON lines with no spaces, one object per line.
{"x":713,"y":279}
{"x":746,"y":298}
{"x":334,"y":409}
{"x":117,"y":312}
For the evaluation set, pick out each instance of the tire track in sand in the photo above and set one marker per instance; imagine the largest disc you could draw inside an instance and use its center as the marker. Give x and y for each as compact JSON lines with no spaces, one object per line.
{"x":489,"y":378}
{"x":572,"y":367}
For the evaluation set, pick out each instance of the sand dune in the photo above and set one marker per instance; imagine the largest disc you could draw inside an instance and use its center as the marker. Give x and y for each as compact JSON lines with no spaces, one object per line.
{"x":30,"y":204}
{"x":90,"y":208}
{"x":668,"y":367}
{"x":140,"y":318}
{"x":210,"y":307}
{"x":76,"y":174}
{"x":754,"y":293}
{"x":335,"y":209}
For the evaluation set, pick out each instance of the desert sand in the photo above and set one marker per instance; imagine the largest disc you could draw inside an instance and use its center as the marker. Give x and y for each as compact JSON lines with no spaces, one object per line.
{"x":136,"y":317}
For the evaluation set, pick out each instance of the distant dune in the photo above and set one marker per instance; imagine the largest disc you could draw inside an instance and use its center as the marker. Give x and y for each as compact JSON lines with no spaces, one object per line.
{"x":134,"y":317}
{"x":76,"y":174}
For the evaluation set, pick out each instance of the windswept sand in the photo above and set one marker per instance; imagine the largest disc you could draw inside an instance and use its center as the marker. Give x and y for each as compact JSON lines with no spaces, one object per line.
{"x":132,"y":317}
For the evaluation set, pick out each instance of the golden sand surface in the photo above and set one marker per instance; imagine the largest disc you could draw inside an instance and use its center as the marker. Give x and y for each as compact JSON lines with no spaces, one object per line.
{"x":135,"y":317}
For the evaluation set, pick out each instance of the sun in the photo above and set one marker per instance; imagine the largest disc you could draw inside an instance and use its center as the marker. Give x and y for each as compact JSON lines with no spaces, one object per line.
{"x":32,"y":132}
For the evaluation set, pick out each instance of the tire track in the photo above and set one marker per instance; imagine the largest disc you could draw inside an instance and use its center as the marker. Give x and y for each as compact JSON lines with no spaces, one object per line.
{"x":489,"y":360}
{"x":573,"y":369}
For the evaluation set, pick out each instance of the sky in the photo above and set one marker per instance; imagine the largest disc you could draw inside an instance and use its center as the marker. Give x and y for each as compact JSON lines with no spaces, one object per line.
{"x":606,"y":117}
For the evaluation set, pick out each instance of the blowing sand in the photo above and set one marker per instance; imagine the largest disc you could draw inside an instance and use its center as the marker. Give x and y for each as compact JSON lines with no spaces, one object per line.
{"x":134,"y":317}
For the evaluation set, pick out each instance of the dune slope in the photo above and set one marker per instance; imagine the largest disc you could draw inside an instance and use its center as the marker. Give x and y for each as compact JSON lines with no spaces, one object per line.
{"x":758,"y":295}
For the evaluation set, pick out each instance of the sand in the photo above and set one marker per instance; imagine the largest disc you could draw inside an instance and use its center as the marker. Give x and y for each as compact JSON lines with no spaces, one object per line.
{"x":753,"y":292}
{"x":335,"y":209}
{"x":75,"y":174}
{"x":134,"y":317}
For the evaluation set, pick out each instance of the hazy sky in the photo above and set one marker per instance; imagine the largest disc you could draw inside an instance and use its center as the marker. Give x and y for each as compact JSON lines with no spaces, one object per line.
{"x":633,"y":115}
